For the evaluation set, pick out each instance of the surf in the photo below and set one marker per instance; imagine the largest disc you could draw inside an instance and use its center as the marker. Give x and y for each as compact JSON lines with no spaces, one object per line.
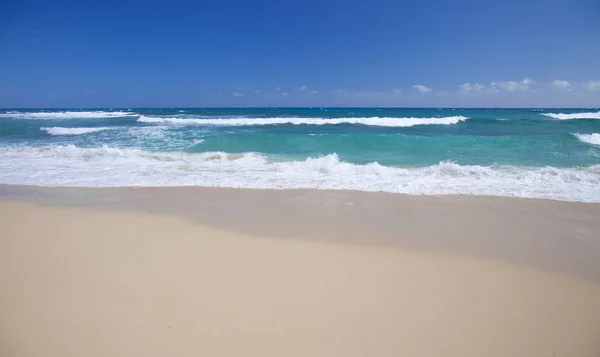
{"x":106,"y":166}
{"x":67,"y":115}
{"x":371,"y":121}
{"x":72,"y":131}
{"x":593,"y":139}
{"x":571,"y":116}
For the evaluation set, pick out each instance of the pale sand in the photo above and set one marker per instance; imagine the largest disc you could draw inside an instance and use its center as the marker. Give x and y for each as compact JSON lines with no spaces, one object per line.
{"x":191,"y":278}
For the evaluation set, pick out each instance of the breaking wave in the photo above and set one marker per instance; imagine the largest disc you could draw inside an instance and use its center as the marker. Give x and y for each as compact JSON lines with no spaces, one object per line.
{"x":374,"y":121}
{"x":68,"y":165}
{"x":593,"y":139}
{"x":72,"y":131}
{"x":66,"y":115}
{"x":562,"y":116}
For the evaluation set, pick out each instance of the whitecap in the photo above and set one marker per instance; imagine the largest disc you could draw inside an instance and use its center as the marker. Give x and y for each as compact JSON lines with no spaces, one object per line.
{"x":66,"y":115}
{"x":105,"y":166}
{"x":373,"y":121}
{"x":563,"y":116}
{"x":72,"y":131}
{"x":593,"y":139}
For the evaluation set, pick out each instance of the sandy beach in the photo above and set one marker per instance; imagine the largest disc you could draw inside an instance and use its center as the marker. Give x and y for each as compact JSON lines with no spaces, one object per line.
{"x":231,"y":272}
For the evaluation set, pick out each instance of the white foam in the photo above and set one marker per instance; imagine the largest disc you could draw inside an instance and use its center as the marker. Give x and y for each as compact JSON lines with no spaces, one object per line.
{"x":66,"y":115}
{"x":563,"y":116}
{"x":374,"y":121}
{"x":105,"y":167}
{"x":589,"y":138}
{"x":73,"y":131}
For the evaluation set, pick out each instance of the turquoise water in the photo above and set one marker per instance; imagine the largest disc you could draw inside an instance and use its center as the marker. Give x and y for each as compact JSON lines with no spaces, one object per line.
{"x":551,"y":153}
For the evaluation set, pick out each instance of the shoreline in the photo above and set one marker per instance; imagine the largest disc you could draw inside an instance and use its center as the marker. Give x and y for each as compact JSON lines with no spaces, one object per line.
{"x":12,"y":190}
{"x":557,"y":236}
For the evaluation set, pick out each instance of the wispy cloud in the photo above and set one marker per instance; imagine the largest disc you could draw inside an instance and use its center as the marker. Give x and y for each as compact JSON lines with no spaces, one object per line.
{"x":524,"y":92}
{"x":421,"y":88}
{"x":561,"y":84}
{"x":592,"y":86}
{"x":522,"y":86}
{"x":358,"y":93}
{"x":475,"y":87}
{"x":277,"y":92}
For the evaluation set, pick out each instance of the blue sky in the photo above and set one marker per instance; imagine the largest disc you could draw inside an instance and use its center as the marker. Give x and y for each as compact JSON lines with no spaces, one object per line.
{"x":474,"y":53}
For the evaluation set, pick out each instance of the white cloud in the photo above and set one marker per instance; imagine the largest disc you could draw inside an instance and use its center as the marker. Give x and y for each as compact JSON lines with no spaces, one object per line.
{"x":592,"y":86}
{"x":522,"y":86}
{"x":421,"y":88}
{"x":358,"y":93}
{"x":524,"y":92}
{"x":276,"y":93}
{"x":560,"y":84}
{"x":475,"y":87}
{"x":306,"y":89}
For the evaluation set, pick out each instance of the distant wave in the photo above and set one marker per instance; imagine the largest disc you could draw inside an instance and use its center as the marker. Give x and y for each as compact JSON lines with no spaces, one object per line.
{"x":374,"y":121}
{"x":66,"y":115}
{"x":69,"y":165}
{"x":72,"y":131}
{"x":563,"y":116}
{"x":593,"y":139}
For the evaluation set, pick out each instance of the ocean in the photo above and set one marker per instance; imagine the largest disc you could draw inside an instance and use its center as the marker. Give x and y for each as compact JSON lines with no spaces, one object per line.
{"x":535,"y":153}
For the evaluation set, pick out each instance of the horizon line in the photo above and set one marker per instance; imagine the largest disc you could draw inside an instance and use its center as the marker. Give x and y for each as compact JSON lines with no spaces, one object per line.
{"x":288,"y":107}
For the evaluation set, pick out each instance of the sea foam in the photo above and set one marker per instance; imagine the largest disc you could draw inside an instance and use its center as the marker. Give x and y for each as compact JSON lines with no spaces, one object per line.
{"x":66,"y":115}
{"x":69,"y":165}
{"x":589,"y":138}
{"x":72,"y":131}
{"x":563,"y":116}
{"x":373,"y":121}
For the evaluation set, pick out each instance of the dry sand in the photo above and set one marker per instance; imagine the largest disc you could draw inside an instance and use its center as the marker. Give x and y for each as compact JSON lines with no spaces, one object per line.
{"x":207,"y":272}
